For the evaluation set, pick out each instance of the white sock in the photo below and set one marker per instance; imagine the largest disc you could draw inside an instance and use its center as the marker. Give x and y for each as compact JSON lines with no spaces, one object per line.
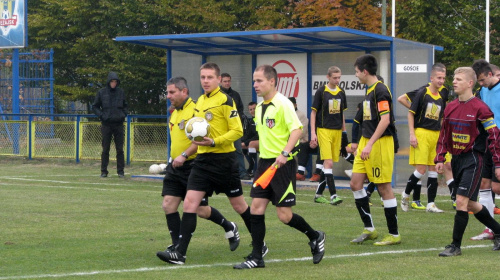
{"x":486,"y":200}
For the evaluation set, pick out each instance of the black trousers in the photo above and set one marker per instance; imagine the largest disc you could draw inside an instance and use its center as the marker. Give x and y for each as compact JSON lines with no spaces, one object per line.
{"x":115,"y":131}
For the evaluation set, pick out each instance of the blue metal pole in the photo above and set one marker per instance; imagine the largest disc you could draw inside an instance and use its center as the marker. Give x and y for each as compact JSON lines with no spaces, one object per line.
{"x":128,"y":139}
{"x":15,"y":99}
{"x":77,"y":140}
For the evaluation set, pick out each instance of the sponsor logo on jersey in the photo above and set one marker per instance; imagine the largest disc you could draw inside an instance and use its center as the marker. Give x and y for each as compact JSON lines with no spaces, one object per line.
{"x":461,"y":138}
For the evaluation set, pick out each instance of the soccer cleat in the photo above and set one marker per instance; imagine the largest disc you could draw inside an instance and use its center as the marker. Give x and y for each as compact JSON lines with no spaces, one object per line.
{"x":405,"y":202}
{"x":336,"y":201}
{"x":496,"y":211}
{"x":233,"y":236}
{"x":348,"y":173}
{"x":314,"y":178}
{"x":300,"y":177}
{"x":496,"y":242}
{"x":121,"y":175}
{"x":432,"y":208}
{"x":250,"y":262}
{"x":389,"y":240}
{"x":169,"y":249}
{"x":366,"y":235}
{"x":487,"y":234}
{"x":321,"y":199}
{"x":104,"y":175}
{"x":454,"y":204}
{"x":451,"y":251}
{"x":370,"y":202}
{"x":172,"y":257}
{"x":417,"y":205}
{"x":318,"y":247}
{"x":265,"y":250}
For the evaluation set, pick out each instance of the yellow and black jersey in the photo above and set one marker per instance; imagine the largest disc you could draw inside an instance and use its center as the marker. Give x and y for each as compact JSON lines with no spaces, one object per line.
{"x":428,"y":109}
{"x":225,"y":124}
{"x":330,"y":105}
{"x":177,"y":124}
{"x":378,"y":102}
{"x":443,"y":91}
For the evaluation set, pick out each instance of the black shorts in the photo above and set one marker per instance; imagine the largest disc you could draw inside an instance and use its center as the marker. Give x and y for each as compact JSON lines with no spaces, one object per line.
{"x":282,"y":188}
{"x":489,"y":167}
{"x":175,"y":181}
{"x":467,"y":169}
{"x":217,"y":173}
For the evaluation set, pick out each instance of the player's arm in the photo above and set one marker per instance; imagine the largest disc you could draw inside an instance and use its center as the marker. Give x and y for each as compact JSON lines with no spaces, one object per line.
{"x":292,"y":141}
{"x":312,"y":122}
{"x":441,"y":148}
{"x":486,"y":117}
{"x":96,"y":106}
{"x":403,"y":99}
{"x":411,"y":128}
{"x":180,"y":159}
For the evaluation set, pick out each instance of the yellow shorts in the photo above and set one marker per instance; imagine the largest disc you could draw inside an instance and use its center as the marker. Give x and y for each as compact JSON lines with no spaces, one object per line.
{"x":379,"y":166}
{"x":329,"y":141}
{"x":425,"y":152}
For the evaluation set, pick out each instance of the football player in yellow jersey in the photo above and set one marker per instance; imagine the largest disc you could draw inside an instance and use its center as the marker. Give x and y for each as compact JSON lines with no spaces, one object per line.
{"x":406,"y":100}
{"x":424,"y":122}
{"x":182,"y":154}
{"x":215,"y":168}
{"x":279,"y":131}
{"x":375,"y":153}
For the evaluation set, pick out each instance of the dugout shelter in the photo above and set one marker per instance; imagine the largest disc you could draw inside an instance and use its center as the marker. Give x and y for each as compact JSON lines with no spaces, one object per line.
{"x":302,"y":56}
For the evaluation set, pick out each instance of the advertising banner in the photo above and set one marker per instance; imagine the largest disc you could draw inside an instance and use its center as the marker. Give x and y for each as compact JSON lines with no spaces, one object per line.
{"x":13,"y":24}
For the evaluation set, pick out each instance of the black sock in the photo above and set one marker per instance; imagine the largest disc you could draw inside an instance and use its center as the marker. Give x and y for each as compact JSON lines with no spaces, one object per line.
{"x":391,"y":216}
{"x":174,"y":226}
{"x":417,"y":191}
{"x":432,"y":187}
{"x":317,"y":171}
{"x":412,"y":183}
{"x":321,"y":184}
{"x":486,"y":219}
{"x":350,"y":158}
{"x":258,"y":235}
{"x":461,"y":220}
{"x":370,"y":188}
{"x":364,"y":211}
{"x":298,"y":223}
{"x":219,"y":219}
{"x":188,"y":226}
{"x":331,"y":184}
{"x":247,"y":219}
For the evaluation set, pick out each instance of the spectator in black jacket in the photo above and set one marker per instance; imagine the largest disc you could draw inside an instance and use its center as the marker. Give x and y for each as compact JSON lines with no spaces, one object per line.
{"x":225,"y":85}
{"x":250,"y":140}
{"x":111,"y":108}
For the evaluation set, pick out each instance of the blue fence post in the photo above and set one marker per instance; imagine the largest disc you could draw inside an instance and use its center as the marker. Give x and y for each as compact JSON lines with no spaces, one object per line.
{"x":77,"y":140}
{"x":15,"y":100}
{"x":128,"y":139}
{"x":30,"y":149}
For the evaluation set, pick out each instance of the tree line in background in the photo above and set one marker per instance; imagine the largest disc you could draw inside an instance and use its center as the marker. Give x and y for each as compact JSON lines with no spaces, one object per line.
{"x":81,"y":34}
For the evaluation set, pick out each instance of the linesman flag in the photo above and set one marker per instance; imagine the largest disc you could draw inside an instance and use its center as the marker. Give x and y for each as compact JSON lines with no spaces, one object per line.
{"x":266,"y":177}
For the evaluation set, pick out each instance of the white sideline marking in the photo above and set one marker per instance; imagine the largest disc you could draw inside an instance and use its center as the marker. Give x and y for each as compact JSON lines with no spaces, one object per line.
{"x":171,"y":267}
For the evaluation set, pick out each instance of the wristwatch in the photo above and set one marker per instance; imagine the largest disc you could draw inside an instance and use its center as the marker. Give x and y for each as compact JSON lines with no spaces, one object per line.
{"x":285,"y":153}
{"x":184,"y":155}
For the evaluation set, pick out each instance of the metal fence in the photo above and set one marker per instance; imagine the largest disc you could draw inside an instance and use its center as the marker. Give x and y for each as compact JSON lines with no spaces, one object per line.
{"x":79,"y":137}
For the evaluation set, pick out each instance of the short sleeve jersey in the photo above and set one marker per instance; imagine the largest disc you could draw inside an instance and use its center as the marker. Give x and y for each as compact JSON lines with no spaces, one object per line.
{"x":428,"y":109}
{"x":225,"y":124}
{"x":329,"y":105}
{"x":274,"y":121}
{"x":491,"y":96}
{"x":176,"y":125}
{"x":443,"y":91}
{"x":378,"y":102}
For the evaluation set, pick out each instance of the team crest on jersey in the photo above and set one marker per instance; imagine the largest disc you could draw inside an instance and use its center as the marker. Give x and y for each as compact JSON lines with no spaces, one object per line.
{"x":209,"y":116}
{"x":334,"y":106}
{"x":270,"y":123}
{"x":367,"y":112}
{"x":182,"y":124}
{"x":432,"y":112}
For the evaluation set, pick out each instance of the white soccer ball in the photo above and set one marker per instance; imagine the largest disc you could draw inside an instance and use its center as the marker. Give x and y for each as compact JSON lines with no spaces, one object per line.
{"x":197,"y":128}
{"x":163,"y":167}
{"x":154,"y":169}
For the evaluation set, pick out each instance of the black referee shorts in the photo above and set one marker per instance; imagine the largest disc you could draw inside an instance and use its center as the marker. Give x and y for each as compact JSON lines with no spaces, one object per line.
{"x":175,"y":181}
{"x":489,"y":167}
{"x":282,"y":188}
{"x":467,"y":169}
{"x":217,"y":173}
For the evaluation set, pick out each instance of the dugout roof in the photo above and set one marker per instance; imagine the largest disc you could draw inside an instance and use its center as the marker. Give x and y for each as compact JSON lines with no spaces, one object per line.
{"x":297,"y":40}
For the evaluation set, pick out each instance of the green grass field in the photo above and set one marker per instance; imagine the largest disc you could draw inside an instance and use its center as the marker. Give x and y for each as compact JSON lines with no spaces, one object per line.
{"x":60,"y":220}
